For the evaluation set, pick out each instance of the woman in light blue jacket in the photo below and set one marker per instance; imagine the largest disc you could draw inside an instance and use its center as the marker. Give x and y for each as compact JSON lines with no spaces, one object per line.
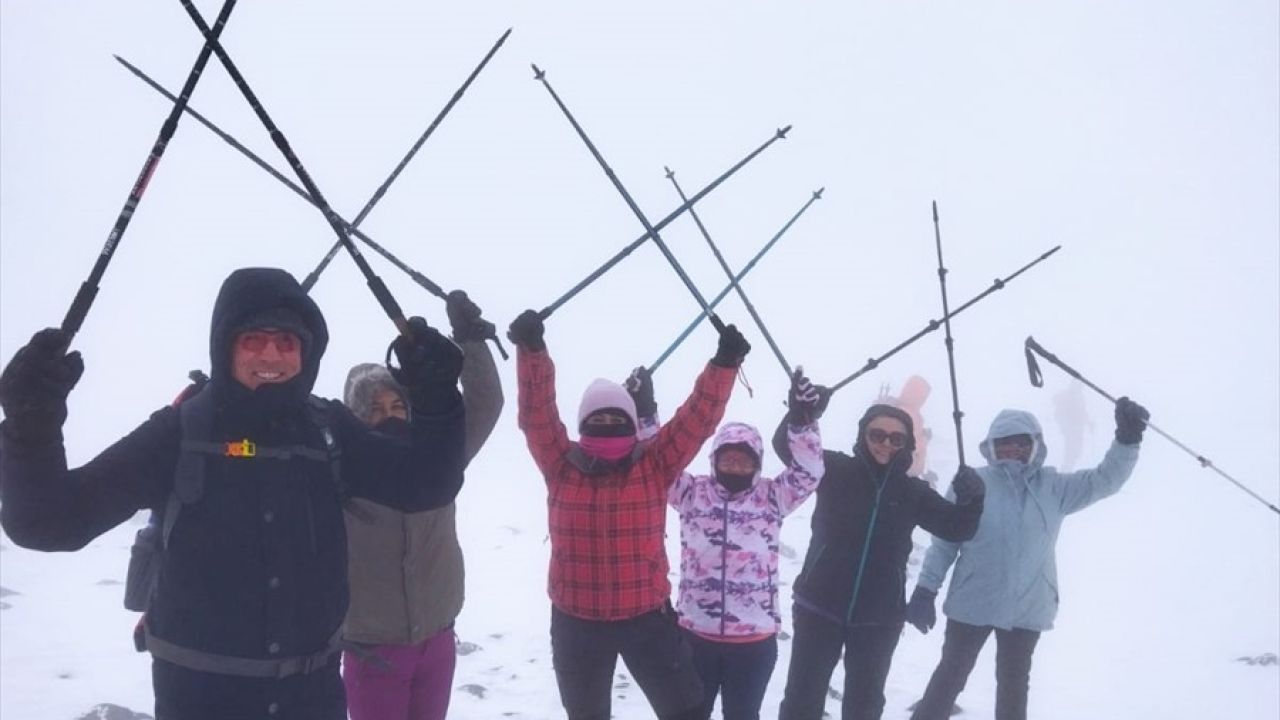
{"x":1006,"y":577}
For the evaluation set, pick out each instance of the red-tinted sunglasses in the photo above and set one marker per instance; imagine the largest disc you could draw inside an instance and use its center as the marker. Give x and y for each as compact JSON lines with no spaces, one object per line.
{"x":255,"y":341}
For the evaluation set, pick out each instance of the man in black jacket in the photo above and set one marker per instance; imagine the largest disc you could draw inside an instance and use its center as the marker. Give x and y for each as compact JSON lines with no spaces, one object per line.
{"x":850,"y":595}
{"x":244,"y":619}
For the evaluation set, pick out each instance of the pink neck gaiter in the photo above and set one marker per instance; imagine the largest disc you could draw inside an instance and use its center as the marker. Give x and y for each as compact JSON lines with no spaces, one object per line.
{"x":609,"y":448}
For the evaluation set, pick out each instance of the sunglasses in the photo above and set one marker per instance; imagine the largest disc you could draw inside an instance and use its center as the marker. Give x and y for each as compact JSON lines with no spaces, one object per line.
{"x":255,"y":341}
{"x":875,"y":436}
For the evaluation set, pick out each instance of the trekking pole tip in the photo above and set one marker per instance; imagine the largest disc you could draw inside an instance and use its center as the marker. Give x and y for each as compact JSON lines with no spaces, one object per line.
{"x":817,"y":194}
{"x":505,"y":34}
{"x":538,"y":73}
{"x":670,"y":173}
{"x":782,"y":132}
{"x":935,"y":211}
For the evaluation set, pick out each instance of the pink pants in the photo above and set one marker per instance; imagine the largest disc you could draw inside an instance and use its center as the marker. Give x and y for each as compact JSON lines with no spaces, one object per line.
{"x":412,"y":682}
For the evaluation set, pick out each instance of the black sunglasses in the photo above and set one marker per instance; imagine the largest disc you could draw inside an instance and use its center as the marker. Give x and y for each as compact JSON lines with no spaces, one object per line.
{"x":896,"y":439}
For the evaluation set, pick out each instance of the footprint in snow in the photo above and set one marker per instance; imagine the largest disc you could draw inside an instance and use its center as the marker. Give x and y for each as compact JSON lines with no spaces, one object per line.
{"x":477,"y":690}
{"x":107,"y":581}
{"x":466,"y":647}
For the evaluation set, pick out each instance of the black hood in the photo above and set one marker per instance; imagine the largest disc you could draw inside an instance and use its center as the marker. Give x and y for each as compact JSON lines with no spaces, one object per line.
{"x":251,"y":291}
{"x":902,"y":459}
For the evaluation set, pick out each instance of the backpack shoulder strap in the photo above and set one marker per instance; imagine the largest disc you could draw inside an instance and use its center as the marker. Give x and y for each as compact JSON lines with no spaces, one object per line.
{"x":318,"y":408}
{"x":195,"y":420}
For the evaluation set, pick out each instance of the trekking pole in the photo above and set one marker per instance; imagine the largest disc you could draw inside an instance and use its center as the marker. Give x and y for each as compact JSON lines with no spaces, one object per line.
{"x":546,"y":312}
{"x":541,"y":76}
{"x":422,"y":280}
{"x":83,"y":300}
{"x":379,"y":289}
{"x":950,"y":343}
{"x":1037,"y":380}
{"x":382,"y":189}
{"x":733,"y":282}
{"x":817,"y":195}
{"x":999,"y":284}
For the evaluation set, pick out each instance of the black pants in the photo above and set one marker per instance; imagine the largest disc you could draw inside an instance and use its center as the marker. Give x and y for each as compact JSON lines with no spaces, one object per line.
{"x":815,"y":650}
{"x":585,"y":653}
{"x":960,"y":651}
{"x":183,"y":694}
{"x":737,"y":672}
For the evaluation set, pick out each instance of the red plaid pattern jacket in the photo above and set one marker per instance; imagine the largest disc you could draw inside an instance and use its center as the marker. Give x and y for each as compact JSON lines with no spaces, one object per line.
{"x":608,"y":555}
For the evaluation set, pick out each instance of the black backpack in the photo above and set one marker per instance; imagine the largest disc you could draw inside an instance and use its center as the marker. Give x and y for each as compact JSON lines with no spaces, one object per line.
{"x":146,"y":557}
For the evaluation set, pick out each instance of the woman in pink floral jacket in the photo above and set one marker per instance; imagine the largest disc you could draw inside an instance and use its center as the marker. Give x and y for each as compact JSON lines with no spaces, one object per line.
{"x":730,"y":521}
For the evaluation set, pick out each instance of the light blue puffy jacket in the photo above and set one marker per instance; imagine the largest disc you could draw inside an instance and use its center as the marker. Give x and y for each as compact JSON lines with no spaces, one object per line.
{"x":1007,"y":575}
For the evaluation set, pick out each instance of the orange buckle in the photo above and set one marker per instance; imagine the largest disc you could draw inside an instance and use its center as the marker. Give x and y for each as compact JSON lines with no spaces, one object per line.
{"x":244,"y":448}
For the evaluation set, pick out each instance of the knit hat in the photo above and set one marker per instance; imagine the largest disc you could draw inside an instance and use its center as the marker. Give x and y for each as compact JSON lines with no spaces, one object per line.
{"x":364,"y":381}
{"x":603,"y":394}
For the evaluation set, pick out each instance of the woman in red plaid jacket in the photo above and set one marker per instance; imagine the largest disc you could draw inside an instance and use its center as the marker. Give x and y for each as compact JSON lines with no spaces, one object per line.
{"x":607,"y":495}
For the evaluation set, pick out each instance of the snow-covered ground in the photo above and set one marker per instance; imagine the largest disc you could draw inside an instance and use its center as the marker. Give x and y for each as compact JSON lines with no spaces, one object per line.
{"x":1141,"y":137}
{"x":1155,"y":614}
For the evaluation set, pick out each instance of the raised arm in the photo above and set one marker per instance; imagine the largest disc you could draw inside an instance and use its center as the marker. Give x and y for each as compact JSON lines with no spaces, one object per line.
{"x":46,"y":506}
{"x":537,"y":414}
{"x":481,"y":394}
{"x":424,"y":470}
{"x":805,"y":466}
{"x":481,"y":388}
{"x":1078,"y":490}
{"x":676,"y":444}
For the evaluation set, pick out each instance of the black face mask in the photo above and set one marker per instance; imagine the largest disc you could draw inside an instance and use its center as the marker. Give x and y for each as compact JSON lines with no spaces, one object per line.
{"x":393,"y":426}
{"x":733,"y":482}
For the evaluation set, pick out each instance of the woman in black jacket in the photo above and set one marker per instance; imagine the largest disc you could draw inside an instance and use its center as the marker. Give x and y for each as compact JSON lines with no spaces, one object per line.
{"x":850,"y":596}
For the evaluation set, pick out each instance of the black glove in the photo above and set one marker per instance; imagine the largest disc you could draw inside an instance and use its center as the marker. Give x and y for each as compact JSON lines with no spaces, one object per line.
{"x":1131,"y":420}
{"x":921,"y":611}
{"x":805,"y":401}
{"x":968,"y":486}
{"x":526,"y":331}
{"x":35,"y":384}
{"x":429,"y":361}
{"x":639,"y":386}
{"x":732,"y":348}
{"x":465,"y":320}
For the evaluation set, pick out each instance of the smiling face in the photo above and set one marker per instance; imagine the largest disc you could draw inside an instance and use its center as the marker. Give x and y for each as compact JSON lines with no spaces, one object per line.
{"x":885,"y":436}
{"x":264,"y":356}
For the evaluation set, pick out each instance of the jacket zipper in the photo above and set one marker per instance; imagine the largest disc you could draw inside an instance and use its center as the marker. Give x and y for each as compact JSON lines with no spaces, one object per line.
{"x":724,"y":568}
{"x":866,"y":546}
